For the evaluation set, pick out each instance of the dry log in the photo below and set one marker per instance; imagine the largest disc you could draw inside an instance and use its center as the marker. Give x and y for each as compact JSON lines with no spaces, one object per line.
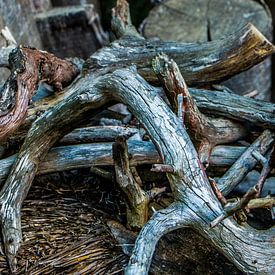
{"x":180,"y":252}
{"x":202,"y":21}
{"x":97,"y":134}
{"x":236,"y":107}
{"x":119,"y":81}
{"x":99,"y":154}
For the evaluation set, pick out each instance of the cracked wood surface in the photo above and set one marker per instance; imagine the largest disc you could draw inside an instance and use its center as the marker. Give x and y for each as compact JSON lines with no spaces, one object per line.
{"x":98,"y":85}
{"x":199,"y":63}
{"x":208,"y":20}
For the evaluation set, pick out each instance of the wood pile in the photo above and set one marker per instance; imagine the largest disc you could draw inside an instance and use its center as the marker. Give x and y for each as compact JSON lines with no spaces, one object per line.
{"x":154,"y":121}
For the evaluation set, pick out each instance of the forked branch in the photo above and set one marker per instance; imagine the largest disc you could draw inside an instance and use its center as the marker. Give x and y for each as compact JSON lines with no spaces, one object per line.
{"x":205,"y":132}
{"x":245,"y":163}
{"x":137,"y":200}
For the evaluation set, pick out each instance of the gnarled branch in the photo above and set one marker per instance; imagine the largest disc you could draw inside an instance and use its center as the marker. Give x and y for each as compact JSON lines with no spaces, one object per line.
{"x":206,"y":132}
{"x":28,"y":67}
{"x":137,"y":200}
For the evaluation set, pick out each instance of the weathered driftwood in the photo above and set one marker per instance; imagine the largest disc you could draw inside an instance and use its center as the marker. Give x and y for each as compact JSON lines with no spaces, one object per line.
{"x":196,"y":204}
{"x":202,"y":21}
{"x":98,"y":134}
{"x":246,"y":162}
{"x":141,"y":98}
{"x":205,"y":132}
{"x":222,"y":103}
{"x":198,"y":63}
{"x":28,"y":67}
{"x":101,"y":82}
{"x":176,"y":250}
{"x":202,"y":63}
{"x":240,"y":108}
{"x":137,"y":200}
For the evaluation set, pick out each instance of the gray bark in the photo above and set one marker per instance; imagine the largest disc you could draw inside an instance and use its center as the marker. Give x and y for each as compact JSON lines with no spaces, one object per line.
{"x":100,"y":154}
{"x":208,"y":20}
{"x":99,"y":84}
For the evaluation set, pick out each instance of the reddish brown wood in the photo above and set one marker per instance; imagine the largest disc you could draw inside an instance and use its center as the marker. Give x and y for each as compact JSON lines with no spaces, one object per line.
{"x":206,"y":132}
{"x":28,"y":67}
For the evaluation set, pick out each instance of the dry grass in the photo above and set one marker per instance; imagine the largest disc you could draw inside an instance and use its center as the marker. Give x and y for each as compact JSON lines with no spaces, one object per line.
{"x":63,"y":235}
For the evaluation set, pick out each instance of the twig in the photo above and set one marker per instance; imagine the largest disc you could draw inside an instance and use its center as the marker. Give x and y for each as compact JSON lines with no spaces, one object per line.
{"x":232,"y":208}
{"x":264,"y":173}
{"x":101,"y":172}
{"x":6,"y":33}
{"x":217,"y":192}
{"x":246,"y":162}
{"x":261,"y":203}
{"x":100,"y":154}
{"x":162,"y":168}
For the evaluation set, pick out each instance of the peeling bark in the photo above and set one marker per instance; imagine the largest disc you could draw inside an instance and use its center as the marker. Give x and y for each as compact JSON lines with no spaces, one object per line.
{"x":28,"y":67}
